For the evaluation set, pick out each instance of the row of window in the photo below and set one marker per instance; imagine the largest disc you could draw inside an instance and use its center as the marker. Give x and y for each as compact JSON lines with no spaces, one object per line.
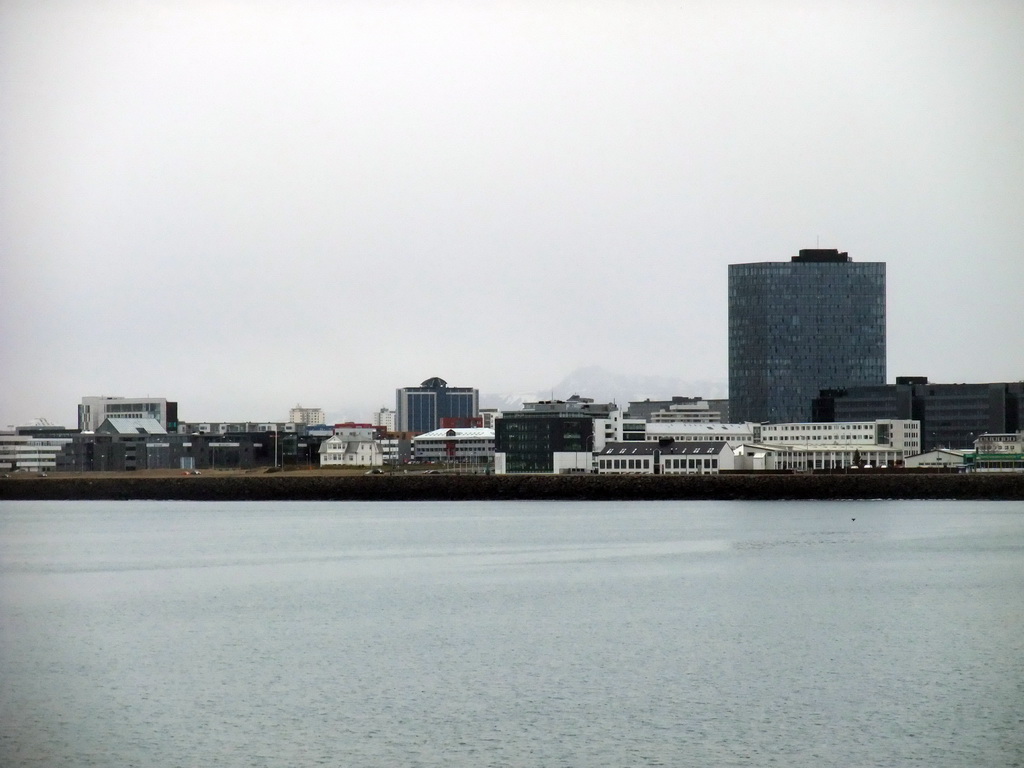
{"x":133,"y":408}
{"x":698,"y":438}
{"x":865,"y":438}
{"x":444,"y":445}
{"x":1016,"y":465}
{"x":691,"y":463}
{"x":625,"y":463}
{"x":645,"y":463}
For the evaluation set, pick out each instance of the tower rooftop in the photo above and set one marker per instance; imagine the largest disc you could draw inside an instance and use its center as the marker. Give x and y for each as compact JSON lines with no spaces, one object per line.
{"x":822,"y":256}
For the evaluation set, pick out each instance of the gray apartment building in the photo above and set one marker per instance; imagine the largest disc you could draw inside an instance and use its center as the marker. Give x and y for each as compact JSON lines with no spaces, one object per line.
{"x":795,"y":328}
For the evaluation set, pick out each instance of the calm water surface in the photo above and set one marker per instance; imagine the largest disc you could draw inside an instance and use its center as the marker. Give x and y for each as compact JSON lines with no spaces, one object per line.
{"x":512,"y":634}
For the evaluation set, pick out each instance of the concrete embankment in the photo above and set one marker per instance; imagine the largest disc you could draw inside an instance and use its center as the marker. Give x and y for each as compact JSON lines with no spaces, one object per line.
{"x":287,"y":486}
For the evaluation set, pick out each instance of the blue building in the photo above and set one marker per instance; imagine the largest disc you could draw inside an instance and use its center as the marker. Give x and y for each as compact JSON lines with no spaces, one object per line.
{"x":421,"y":409}
{"x":795,"y":328}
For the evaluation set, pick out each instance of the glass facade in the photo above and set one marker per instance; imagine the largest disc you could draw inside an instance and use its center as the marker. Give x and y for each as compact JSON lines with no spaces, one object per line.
{"x":800,"y":327}
{"x":951,"y":415}
{"x":420,"y":409}
{"x":529,"y":440}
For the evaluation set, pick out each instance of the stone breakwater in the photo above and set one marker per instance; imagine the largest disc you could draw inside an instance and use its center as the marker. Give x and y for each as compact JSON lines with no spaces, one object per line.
{"x":287,"y":487}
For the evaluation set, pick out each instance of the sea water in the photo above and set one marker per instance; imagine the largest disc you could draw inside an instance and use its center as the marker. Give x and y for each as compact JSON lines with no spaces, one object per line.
{"x":512,"y":634}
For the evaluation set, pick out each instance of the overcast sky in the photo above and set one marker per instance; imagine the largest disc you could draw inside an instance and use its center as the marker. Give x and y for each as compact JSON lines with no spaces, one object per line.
{"x":246,"y":205}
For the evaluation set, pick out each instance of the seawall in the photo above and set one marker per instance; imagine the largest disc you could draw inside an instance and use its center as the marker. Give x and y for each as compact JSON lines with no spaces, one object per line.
{"x":286,"y":486}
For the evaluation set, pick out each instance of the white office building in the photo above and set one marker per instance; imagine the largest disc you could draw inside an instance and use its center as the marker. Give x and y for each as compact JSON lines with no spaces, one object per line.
{"x":684,"y":432}
{"x":901,"y":435}
{"x":473,"y":445}
{"x":828,"y":445}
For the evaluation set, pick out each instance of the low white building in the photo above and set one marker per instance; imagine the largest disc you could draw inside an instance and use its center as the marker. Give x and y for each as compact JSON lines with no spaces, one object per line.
{"x":803,"y":458}
{"x":666,"y":457}
{"x":474,"y":445}
{"x":940,"y":458}
{"x":351,"y":450}
{"x":999,"y":452}
{"x":832,"y":445}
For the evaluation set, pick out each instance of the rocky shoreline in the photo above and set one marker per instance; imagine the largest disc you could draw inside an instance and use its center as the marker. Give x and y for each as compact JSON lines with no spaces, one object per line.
{"x":293,"y":487}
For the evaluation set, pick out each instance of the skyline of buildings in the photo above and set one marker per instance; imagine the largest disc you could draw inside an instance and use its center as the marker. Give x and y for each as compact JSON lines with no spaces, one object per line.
{"x":807,"y":341}
{"x":563,"y":436}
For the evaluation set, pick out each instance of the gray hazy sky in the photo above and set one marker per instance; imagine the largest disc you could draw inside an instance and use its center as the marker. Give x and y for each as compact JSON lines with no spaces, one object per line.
{"x":244,"y":205}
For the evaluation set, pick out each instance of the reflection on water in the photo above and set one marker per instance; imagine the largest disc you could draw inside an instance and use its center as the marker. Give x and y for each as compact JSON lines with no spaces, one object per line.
{"x":179,"y":634}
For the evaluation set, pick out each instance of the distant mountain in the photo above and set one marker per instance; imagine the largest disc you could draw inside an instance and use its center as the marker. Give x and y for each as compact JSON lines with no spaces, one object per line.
{"x":605,"y":386}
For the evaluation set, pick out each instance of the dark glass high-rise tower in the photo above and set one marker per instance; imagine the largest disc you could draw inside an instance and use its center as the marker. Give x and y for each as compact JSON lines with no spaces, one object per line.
{"x":795,"y":328}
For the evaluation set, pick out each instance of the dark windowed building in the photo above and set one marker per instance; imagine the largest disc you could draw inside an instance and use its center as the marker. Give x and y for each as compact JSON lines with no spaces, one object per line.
{"x":420,"y":409}
{"x":795,"y":328}
{"x":951,"y":415}
{"x":549,"y":436}
{"x":529,"y":440}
